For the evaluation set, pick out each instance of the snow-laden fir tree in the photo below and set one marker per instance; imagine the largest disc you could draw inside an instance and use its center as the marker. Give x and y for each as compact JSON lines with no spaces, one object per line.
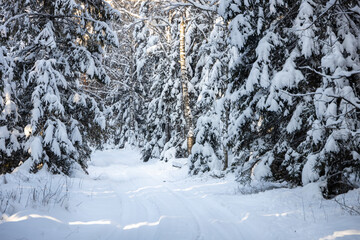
{"x":10,"y":128}
{"x":256,"y":107}
{"x":56,"y":47}
{"x":334,"y":136}
{"x":294,"y":114}
{"x":210,"y":79}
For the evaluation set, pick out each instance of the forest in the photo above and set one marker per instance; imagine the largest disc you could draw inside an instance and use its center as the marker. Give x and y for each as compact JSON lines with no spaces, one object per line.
{"x":266,"y":91}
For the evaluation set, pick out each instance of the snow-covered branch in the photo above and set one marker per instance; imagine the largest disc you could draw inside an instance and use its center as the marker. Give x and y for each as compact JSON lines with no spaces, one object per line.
{"x":190,"y":3}
{"x":336,"y":76}
{"x":356,"y":105}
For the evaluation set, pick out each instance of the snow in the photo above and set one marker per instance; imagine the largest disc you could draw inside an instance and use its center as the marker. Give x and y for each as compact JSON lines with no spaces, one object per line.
{"x":295,"y":122}
{"x":4,"y":132}
{"x":289,"y":76}
{"x":14,"y":140}
{"x":304,"y":28}
{"x":264,"y":80}
{"x":10,"y":106}
{"x":331,"y":145}
{"x":46,"y":36}
{"x":240,"y":30}
{"x":36,"y":148}
{"x":123,"y":198}
{"x":261,"y":170}
{"x":316,"y":132}
{"x":49,"y":133}
{"x":309,"y":173}
{"x":91,"y":67}
{"x":350,"y":44}
{"x":28,"y":130}
{"x":76,"y":136}
{"x":335,"y":58}
{"x":168,"y":154}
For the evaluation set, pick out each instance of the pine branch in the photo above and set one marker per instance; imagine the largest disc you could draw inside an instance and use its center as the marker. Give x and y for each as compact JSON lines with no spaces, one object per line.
{"x":323,"y":14}
{"x":191,"y":3}
{"x":345,"y":73}
{"x":356,"y":105}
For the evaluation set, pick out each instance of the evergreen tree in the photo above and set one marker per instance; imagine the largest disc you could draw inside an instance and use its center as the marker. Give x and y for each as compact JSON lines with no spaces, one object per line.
{"x":10,"y":129}
{"x":278,"y":129}
{"x":334,"y":133}
{"x":59,"y":56}
{"x":211,"y":80}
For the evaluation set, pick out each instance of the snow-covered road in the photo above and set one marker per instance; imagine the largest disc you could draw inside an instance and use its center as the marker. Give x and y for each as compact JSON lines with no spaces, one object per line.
{"x":154,"y":202}
{"x":123,"y":198}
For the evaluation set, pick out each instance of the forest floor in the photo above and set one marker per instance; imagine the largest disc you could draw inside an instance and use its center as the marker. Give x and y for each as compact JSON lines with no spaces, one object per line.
{"x":123,"y":198}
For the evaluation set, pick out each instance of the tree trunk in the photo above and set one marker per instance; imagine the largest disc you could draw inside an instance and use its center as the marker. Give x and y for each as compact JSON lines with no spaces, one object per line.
{"x":225,"y":128}
{"x":168,"y":31}
{"x":185,"y":91}
{"x":84,"y":80}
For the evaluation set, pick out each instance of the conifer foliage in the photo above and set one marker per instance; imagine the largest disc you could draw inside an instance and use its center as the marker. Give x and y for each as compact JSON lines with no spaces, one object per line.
{"x":51,"y":51}
{"x":295,"y":114}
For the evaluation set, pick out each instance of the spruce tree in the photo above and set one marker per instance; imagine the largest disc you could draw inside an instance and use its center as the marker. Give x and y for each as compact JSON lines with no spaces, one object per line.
{"x":290,"y":113}
{"x":59,"y":57}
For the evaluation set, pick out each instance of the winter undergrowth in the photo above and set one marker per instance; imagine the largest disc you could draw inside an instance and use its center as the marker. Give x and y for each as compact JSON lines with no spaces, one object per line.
{"x":22,"y":190}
